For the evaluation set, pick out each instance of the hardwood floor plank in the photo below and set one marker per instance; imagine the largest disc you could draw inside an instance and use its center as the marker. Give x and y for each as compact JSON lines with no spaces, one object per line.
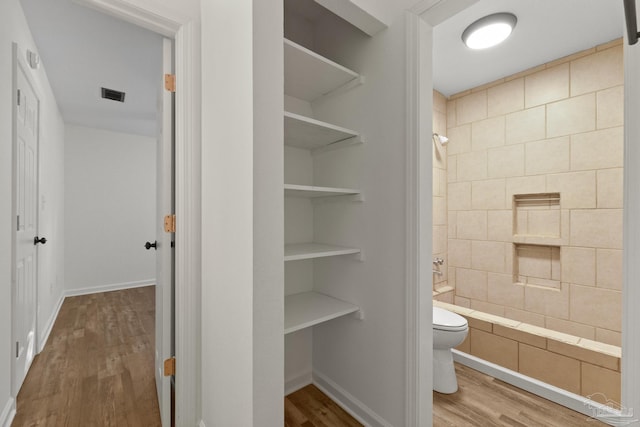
{"x":481,"y":401}
{"x":309,"y":407}
{"x":485,"y":401}
{"x":97,"y":368}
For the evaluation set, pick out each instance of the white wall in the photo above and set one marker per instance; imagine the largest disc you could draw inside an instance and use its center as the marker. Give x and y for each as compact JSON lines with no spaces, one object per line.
{"x":110,"y":209}
{"x":13,"y":28}
{"x":242,"y":210}
{"x":366,"y":358}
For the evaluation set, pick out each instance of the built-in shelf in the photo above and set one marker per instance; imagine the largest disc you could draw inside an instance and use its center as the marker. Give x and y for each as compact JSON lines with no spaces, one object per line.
{"x":540,"y":240}
{"x":292,"y":190}
{"x":311,"y":308}
{"x":308,"y":133}
{"x":308,"y":76}
{"x":300,"y":251}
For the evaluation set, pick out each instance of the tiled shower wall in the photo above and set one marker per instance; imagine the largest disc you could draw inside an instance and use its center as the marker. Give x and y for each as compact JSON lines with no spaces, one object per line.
{"x":440,"y":195}
{"x":516,"y":146}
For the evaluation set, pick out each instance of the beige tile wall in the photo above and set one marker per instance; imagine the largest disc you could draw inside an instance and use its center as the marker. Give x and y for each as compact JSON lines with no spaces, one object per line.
{"x":582,"y":366}
{"x":557,"y":128}
{"x":440,"y":214}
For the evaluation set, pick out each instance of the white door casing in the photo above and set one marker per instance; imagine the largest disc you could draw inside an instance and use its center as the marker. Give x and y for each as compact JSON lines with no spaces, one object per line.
{"x":183,"y":28}
{"x":25,"y":223}
{"x":164,"y":255}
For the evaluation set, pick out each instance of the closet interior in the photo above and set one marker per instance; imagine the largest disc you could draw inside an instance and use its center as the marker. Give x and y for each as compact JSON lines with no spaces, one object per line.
{"x":320,"y":188}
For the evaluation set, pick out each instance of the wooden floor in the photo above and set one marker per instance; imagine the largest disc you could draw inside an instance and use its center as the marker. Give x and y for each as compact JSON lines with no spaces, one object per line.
{"x":97,"y":370}
{"x":309,"y":407}
{"x":480,"y":401}
{"x":97,"y":366}
{"x":485,"y":401}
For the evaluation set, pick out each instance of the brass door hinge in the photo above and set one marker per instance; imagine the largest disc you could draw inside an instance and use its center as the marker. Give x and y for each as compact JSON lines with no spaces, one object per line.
{"x":170,"y":367}
{"x":170,"y":82}
{"x":170,"y":223}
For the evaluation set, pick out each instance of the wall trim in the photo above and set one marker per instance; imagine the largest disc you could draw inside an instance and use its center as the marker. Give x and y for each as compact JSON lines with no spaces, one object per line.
{"x":555,"y":394}
{"x":108,"y":288}
{"x":631,"y":232}
{"x":50,"y":322}
{"x":156,"y":20}
{"x":348,"y":402}
{"x":419,"y":230}
{"x":8,"y":413}
{"x":298,"y":382}
{"x":412,"y":293}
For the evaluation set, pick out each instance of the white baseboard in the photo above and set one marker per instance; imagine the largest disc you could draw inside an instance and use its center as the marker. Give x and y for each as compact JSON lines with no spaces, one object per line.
{"x":348,"y":402}
{"x":50,"y":322}
{"x":555,"y":394}
{"x":297,"y":383}
{"x":109,"y":288}
{"x":9,"y":411}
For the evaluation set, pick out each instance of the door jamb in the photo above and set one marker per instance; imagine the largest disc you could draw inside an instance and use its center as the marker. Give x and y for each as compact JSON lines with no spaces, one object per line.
{"x":419,"y":342}
{"x":183,"y":30}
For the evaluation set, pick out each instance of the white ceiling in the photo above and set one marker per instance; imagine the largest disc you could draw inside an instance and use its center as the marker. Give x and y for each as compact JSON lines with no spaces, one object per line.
{"x":83,"y":50}
{"x":546,"y":30}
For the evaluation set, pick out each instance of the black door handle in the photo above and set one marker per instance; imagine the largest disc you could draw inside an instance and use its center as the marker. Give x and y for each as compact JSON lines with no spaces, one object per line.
{"x":37,"y":240}
{"x":150,"y":245}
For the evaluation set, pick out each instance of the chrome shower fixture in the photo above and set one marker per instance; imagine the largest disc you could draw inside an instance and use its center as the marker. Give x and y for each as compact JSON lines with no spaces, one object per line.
{"x":441,"y":139}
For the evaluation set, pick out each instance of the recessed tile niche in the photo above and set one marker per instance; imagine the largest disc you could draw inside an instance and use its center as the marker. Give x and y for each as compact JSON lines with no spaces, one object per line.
{"x":538,"y":265}
{"x":537,"y":217}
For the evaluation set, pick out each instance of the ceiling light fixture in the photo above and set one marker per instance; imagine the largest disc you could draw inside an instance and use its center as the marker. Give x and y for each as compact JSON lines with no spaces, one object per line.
{"x":489,"y":31}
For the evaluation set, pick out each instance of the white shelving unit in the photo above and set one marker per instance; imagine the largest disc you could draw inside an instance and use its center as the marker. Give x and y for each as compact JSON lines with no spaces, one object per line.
{"x":310,"y":308}
{"x":292,"y":190}
{"x":308,"y":133}
{"x":300,"y":251}
{"x":308,"y":76}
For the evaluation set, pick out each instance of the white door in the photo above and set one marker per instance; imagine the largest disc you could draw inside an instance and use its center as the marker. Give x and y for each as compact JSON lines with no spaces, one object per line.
{"x":25,"y":202}
{"x":164,"y":255}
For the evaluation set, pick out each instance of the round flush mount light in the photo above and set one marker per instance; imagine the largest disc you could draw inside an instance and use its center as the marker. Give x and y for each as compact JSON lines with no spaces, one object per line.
{"x":489,"y":31}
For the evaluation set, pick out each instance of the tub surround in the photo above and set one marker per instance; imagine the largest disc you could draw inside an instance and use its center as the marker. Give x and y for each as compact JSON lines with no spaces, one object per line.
{"x":579,"y":365}
{"x":534,"y":196}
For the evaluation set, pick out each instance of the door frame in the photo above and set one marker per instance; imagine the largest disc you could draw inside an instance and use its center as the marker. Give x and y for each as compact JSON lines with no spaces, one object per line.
{"x":19,"y":62}
{"x":184,"y":31}
{"x":419,"y":372}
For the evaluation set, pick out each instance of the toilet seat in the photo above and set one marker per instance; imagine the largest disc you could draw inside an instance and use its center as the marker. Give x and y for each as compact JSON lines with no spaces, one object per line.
{"x":444,"y":320}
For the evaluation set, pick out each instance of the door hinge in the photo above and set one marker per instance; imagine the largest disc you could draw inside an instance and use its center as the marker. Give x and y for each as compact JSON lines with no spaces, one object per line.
{"x":18,"y":97}
{"x":170,"y":223}
{"x":18,"y":221}
{"x":170,"y":82}
{"x":170,"y":367}
{"x":17,"y":349}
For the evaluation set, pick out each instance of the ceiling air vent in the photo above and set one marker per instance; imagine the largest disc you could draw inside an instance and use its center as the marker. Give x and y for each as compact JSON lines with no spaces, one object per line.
{"x":114,"y":95}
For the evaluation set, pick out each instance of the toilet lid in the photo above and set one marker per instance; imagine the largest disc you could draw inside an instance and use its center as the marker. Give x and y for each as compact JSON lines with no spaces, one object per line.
{"x":446,"y":320}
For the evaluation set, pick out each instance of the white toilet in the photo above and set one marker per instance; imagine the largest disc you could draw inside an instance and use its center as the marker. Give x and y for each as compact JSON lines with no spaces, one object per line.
{"x":449,"y":330}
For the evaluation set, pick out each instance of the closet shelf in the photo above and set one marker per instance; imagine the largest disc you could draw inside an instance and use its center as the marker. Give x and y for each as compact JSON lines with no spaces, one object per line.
{"x":311,"y":308}
{"x":309,"y":76}
{"x":300,"y":251}
{"x":308,"y":133}
{"x":292,"y":190}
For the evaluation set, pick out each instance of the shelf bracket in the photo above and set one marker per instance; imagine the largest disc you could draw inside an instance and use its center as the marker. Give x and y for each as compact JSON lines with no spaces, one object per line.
{"x":339,"y":145}
{"x":340,"y":89}
{"x":358,"y":315}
